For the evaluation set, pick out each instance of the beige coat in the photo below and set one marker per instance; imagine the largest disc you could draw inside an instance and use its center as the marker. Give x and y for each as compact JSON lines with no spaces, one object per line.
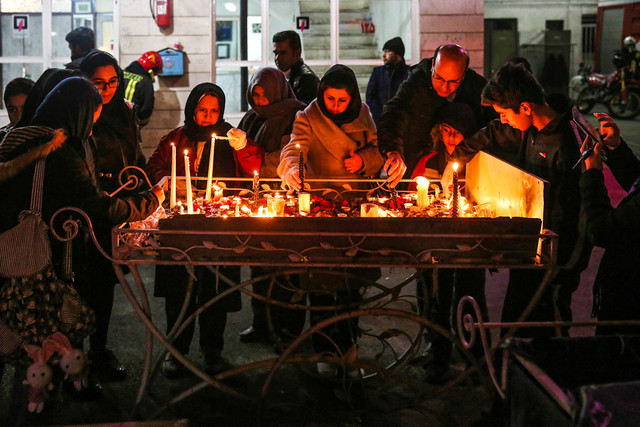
{"x":325,"y":145}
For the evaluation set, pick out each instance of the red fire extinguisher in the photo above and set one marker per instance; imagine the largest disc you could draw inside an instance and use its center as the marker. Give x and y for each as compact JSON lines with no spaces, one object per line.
{"x":163,"y":13}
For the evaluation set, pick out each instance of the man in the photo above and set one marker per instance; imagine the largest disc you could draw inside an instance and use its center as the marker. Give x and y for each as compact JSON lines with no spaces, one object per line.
{"x":385,"y":80}
{"x":545,"y":142}
{"x":287,"y":51}
{"x":81,"y":40}
{"x":404,"y":131}
{"x":15,"y":94}
{"x":138,"y":78}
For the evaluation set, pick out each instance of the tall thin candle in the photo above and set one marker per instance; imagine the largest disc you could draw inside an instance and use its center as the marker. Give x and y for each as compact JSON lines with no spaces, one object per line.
{"x":187,"y":177}
{"x":172,"y":200}
{"x":455,"y":210}
{"x":207,"y":195}
{"x":301,"y":167}
{"x":256,"y":187}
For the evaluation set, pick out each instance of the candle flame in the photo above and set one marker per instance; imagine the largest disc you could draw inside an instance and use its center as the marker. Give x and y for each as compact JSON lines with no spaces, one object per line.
{"x":255,"y":173}
{"x":421,"y":180}
{"x":173,"y":145}
{"x":215,"y":187}
{"x":455,"y":166}
{"x":298,"y":146}
{"x":213,"y":135}
{"x":186,"y":152}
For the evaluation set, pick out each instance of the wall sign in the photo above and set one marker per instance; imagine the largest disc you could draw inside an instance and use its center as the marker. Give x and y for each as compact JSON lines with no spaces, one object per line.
{"x":302,"y":23}
{"x":20,"y":27}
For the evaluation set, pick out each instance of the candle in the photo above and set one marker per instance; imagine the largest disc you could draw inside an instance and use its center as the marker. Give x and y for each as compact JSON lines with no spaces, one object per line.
{"x":455,"y":210}
{"x":172,"y":200}
{"x":276,"y":205}
{"x":207,"y":195}
{"x":304,"y":203}
{"x":300,"y":167}
{"x":187,"y":177}
{"x":256,"y":186}
{"x":217,"y":193}
{"x":422,"y":185}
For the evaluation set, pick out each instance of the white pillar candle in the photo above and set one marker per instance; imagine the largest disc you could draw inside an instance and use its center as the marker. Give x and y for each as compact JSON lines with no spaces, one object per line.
{"x":172,"y":200}
{"x":422,"y":185}
{"x":304,"y":202}
{"x":210,"y":172}
{"x":187,"y":177}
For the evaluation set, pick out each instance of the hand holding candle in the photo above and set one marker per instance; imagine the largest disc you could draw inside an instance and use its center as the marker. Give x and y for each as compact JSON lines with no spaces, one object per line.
{"x":187,"y":176}
{"x":172,"y":200}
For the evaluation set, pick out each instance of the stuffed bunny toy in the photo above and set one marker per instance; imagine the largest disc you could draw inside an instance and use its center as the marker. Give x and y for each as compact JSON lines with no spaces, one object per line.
{"x":38,"y":376}
{"x":73,"y":361}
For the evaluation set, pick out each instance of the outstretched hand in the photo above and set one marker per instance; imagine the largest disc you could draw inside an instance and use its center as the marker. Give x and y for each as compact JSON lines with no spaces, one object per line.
{"x":395,"y":168}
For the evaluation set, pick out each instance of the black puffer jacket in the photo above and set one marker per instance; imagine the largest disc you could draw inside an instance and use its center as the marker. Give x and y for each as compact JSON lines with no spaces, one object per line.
{"x":407,"y":119}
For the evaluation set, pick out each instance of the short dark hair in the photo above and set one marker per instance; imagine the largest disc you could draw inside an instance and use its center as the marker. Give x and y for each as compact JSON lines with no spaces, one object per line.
{"x":292,"y":36}
{"x":511,"y":86}
{"x":17,"y":86}
{"x":83,"y":37}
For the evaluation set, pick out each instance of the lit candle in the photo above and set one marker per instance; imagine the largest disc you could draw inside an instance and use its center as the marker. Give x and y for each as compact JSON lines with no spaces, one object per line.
{"x":172,"y":200}
{"x":300,"y":167}
{"x":304,"y":203}
{"x":210,"y":172}
{"x":422,"y":185}
{"x":187,"y":177}
{"x":455,"y":210}
{"x":217,"y":193}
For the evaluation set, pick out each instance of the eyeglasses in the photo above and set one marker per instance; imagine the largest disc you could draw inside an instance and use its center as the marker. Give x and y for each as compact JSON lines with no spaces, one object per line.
{"x":102,"y":85}
{"x":442,"y":81}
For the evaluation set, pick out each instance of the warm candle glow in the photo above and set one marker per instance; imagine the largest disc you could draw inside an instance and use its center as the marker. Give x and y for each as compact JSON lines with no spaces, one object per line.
{"x":422,"y":187}
{"x":187,"y":176}
{"x":212,"y":150}
{"x":172,"y":199}
{"x":455,"y":166}
{"x":422,"y":181}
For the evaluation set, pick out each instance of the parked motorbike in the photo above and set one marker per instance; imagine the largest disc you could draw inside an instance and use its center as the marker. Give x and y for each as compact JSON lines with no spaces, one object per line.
{"x":621,"y":96}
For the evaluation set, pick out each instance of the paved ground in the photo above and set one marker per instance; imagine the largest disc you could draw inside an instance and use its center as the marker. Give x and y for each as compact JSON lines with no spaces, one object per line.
{"x":295,"y":398}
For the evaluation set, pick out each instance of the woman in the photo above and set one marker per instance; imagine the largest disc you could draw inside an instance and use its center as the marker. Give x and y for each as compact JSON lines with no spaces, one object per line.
{"x":116,"y":133}
{"x":338,"y":139}
{"x":269,"y":123}
{"x":71,"y":107}
{"x":203,"y":116}
{"x":616,"y":295}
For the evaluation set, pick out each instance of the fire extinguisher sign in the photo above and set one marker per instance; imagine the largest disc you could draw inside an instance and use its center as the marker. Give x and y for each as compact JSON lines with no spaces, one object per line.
{"x":162,"y":8}
{"x":20,"y":26}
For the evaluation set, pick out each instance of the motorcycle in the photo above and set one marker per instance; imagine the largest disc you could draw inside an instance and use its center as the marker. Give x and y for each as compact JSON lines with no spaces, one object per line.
{"x":621,"y":94}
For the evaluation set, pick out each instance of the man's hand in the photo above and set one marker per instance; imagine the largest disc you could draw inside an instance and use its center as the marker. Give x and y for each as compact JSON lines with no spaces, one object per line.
{"x":291,"y":178}
{"x":158,"y":192}
{"x":596,"y":160}
{"x":354,"y":163}
{"x":609,"y":130}
{"x":395,"y":168}
{"x":237,"y":138}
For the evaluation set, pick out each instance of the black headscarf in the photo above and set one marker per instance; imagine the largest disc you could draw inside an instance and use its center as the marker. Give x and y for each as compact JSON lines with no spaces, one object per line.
{"x":276,"y":118}
{"x":45,"y":83}
{"x":340,"y":77}
{"x":203,"y":133}
{"x":70,"y":106}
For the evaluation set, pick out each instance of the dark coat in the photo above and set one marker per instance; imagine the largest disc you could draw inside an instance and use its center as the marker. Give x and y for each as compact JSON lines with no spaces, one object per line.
{"x":616,"y":290}
{"x":407,"y":119}
{"x":383,"y":85}
{"x":304,"y":82}
{"x":139,"y":91}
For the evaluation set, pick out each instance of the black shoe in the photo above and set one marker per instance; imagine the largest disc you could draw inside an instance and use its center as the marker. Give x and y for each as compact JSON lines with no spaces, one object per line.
{"x":436,"y":373}
{"x":172,"y":368}
{"x":253,"y":335}
{"x":105,"y":365}
{"x":215,"y":363}
{"x":93,"y":391}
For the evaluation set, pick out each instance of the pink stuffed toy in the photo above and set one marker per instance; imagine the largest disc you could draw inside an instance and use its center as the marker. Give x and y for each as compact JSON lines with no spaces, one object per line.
{"x":73,"y":361}
{"x":38,"y":376}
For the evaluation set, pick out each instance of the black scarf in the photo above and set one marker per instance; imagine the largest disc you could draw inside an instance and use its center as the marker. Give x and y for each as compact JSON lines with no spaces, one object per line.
{"x":203,"y":133}
{"x":340,"y":77}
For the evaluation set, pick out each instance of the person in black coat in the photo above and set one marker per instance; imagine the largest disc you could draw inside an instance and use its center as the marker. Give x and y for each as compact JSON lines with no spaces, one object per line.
{"x":138,"y":80}
{"x":616,"y":295}
{"x":287,"y":53}
{"x":404,"y":130}
{"x":386,"y":79}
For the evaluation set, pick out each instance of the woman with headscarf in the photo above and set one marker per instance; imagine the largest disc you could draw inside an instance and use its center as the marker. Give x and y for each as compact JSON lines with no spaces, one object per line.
{"x":59,"y":132}
{"x":269,"y":123}
{"x":203,"y":116}
{"x":116,"y":133}
{"x":338,"y":139}
{"x":270,"y":119}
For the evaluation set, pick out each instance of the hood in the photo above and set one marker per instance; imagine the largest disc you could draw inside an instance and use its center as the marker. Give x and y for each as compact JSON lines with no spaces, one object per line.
{"x":23,"y":146}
